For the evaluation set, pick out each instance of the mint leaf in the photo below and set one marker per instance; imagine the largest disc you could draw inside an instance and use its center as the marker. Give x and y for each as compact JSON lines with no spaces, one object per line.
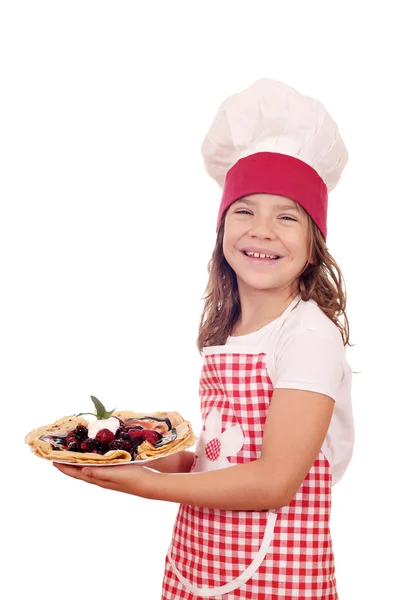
{"x":109,"y":413}
{"x":100,"y":408}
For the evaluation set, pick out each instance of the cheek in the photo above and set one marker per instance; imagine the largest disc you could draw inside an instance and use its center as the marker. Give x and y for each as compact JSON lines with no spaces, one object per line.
{"x":298,"y":247}
{"x":227,"y":250}
{"x":229,"y":241}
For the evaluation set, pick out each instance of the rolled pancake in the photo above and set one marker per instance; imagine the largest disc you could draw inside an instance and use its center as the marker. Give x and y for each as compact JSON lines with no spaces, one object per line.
{"x":44,"y":449}
{"x":185,"y":439}
{"x":175,"y":418}
{"x":60,"y":427}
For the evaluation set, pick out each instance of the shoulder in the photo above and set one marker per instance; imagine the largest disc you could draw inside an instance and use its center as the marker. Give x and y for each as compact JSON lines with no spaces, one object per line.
{"x":308,"y":335}
{"x":309,"y":353}
{"x":308,"y":317}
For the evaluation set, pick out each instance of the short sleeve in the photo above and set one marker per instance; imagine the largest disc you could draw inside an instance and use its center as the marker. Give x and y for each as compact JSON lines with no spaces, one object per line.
{"x":305,"y":359}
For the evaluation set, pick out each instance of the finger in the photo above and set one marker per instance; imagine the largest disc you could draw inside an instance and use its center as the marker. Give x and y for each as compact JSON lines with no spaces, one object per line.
{"x":70,"y":470}
{"x":98,"y":473}
{"x":88,"y":475}
{"x":116,"y":475}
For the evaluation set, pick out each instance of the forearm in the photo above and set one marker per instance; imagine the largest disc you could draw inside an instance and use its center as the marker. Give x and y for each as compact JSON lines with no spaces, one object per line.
{"x":181,"y":462}
{"x":247,"y":486}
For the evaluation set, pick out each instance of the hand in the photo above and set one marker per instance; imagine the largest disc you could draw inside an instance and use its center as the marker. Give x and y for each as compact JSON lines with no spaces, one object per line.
{"x":131,"y":479}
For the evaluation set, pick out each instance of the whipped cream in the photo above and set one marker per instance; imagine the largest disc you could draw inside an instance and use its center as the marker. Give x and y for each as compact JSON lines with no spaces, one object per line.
{"x":94,"y":426}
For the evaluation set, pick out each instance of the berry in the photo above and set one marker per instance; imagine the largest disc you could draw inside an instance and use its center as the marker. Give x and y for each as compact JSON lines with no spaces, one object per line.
{"x":74,"y":446}
{"x":135,"y":443}
{"x":120,"y":432}
{"x":87,"y":445}
{"x":120,"y":445}
{"x":151,"y":436}
{"x":81,"y":432}
{"x":136,"y":434}
{"x":71,"y":438}
{"x":98,"y":446}
{"x":105,"y":436}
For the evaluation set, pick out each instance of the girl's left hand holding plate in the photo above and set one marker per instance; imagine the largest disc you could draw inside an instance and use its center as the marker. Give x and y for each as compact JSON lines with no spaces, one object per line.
{"x":130,"y":479}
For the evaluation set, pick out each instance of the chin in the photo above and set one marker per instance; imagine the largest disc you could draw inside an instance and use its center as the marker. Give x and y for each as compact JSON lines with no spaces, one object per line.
{"x":261,"y":283}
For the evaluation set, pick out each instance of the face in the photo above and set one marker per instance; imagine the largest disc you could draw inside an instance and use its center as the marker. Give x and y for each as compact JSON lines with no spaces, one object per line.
{"x":270,"y":225}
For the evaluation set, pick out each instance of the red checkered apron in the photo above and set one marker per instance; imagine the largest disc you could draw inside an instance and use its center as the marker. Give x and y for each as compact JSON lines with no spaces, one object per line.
{"x":252,"y":555}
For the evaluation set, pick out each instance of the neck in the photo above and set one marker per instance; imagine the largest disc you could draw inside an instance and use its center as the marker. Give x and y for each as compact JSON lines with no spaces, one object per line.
{"x":260,"y":307}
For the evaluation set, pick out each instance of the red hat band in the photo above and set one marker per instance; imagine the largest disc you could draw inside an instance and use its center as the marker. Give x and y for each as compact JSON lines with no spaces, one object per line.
{"x":280,"y":175}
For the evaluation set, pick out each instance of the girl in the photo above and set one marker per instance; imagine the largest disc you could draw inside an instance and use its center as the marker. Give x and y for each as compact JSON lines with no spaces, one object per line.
{"x":255,"y":498}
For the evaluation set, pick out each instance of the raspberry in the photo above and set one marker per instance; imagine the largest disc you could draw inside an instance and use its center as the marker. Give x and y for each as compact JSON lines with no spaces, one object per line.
{"x":81,"y":432}
{"x":151,"y":436}
{"x":120,"y":445}
{"x":136,"y":434}
{"x":71,"y":438}
{"x":74,"y":446}
{"x":105,"y":436}
{"x":87,"y":445}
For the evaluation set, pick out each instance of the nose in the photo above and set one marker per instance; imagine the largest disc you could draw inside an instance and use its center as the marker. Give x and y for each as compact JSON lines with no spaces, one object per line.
{"x":262,"y":227}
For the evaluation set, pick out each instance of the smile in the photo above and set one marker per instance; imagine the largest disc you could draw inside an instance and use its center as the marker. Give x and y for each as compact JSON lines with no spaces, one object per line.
{"x":257,"y":255}
{"x":259,"y":259}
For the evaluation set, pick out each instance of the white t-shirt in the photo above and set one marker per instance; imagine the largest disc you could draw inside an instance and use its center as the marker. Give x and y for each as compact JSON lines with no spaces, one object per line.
{"x":304,"y":351}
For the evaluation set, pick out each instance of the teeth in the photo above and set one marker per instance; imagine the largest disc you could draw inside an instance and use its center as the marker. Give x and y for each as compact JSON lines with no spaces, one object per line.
{"x":257,"y":255}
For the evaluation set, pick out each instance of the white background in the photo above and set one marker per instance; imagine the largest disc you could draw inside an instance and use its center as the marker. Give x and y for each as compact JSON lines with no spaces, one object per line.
{"x":107,"y":225}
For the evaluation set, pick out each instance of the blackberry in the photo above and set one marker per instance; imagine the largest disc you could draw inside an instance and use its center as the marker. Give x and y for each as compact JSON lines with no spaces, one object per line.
{"x":98,"y":447}
{"x":120,"y":445}
{"x":81,"y":433}
{"x":87,"y":445}
{"x":135,"y":443}
{"x":74,"y":447}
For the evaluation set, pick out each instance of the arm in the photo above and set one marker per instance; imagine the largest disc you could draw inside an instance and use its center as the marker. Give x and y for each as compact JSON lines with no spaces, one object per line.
{"x":307,"y":358}
{"x":181,"y":462}
{"x":294,"y":431}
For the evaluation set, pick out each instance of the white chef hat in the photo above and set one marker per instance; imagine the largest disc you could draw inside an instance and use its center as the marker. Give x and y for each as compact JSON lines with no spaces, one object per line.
{"x":271,"y":139}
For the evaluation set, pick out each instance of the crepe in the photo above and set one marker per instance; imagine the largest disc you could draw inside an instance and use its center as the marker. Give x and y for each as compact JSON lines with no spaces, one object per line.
{"x":173,"y":416}
{"x":184,"y":439}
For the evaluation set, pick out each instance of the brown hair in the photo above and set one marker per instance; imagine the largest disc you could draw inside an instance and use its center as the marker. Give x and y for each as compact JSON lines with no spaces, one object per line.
{"x":321,"y":280}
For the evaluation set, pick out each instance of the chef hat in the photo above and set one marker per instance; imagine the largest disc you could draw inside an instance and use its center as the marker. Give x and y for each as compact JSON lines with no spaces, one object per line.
{"x":271,"y":139}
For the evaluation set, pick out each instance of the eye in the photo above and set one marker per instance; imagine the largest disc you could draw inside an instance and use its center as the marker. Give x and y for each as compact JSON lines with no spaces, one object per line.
{"x":287,"y":217}
{"x":241,"y":211}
